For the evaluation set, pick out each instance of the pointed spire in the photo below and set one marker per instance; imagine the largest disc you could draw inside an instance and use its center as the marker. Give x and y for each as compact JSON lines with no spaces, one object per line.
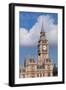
{"x":42,"y":33}
{"x":42,"y":29}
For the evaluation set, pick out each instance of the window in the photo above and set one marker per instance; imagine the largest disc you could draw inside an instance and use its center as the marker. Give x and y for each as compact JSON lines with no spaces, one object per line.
{"x":48,"y":73}
{"x":40,"y":74}
{"x":43,"y":74}
{"x":32,"y":76}
{"x":20,"y":70}
{"x":37,"y":75}
{"x":23,"y":76}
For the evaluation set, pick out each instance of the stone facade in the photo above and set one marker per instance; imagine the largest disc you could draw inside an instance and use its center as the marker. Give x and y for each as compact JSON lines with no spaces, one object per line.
{"x":43,"y":67}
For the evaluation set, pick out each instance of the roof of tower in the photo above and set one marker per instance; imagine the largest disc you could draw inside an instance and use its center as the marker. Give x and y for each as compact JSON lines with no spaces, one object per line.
{"x":42,"y":31}
{"x":42,"y":28}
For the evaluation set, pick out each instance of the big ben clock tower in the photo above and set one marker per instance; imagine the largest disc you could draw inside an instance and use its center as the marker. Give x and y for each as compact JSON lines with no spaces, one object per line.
{"x":42,"y":48}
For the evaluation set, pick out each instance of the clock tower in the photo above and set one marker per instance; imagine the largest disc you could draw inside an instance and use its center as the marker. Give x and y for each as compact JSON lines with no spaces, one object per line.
{"x":42,"y":48}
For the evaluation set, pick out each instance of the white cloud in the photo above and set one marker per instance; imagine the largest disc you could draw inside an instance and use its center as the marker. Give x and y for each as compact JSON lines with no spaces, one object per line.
{"x":31,"y":37}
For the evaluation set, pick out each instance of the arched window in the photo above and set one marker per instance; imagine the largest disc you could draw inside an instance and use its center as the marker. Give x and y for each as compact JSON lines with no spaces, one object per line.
{"x":40,"y":74}
{"x":48,"y":73}
{"x":37,"y":75}
{"x":23,"y":76}
{"x":43,"y":74}
{"x":20,"y":71}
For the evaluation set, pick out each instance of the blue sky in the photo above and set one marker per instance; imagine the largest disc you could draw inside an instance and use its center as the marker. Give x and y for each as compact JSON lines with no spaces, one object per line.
{"x":27,"y":20}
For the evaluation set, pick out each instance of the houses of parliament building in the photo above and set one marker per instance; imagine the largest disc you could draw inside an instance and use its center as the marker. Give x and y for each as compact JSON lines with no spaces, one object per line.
{"x":44,"y":65}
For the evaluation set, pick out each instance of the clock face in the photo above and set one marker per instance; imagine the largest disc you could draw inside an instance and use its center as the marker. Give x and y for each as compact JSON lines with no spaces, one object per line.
{"x":44,"y":47}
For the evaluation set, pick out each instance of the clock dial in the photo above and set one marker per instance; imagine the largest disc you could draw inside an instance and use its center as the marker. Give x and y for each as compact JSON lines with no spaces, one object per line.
{"x":44,"y":47}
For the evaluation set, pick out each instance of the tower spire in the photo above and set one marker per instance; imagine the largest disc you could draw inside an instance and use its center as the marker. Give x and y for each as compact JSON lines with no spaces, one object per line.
{"x":42,"y":29}
{"x":42,"y":33}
